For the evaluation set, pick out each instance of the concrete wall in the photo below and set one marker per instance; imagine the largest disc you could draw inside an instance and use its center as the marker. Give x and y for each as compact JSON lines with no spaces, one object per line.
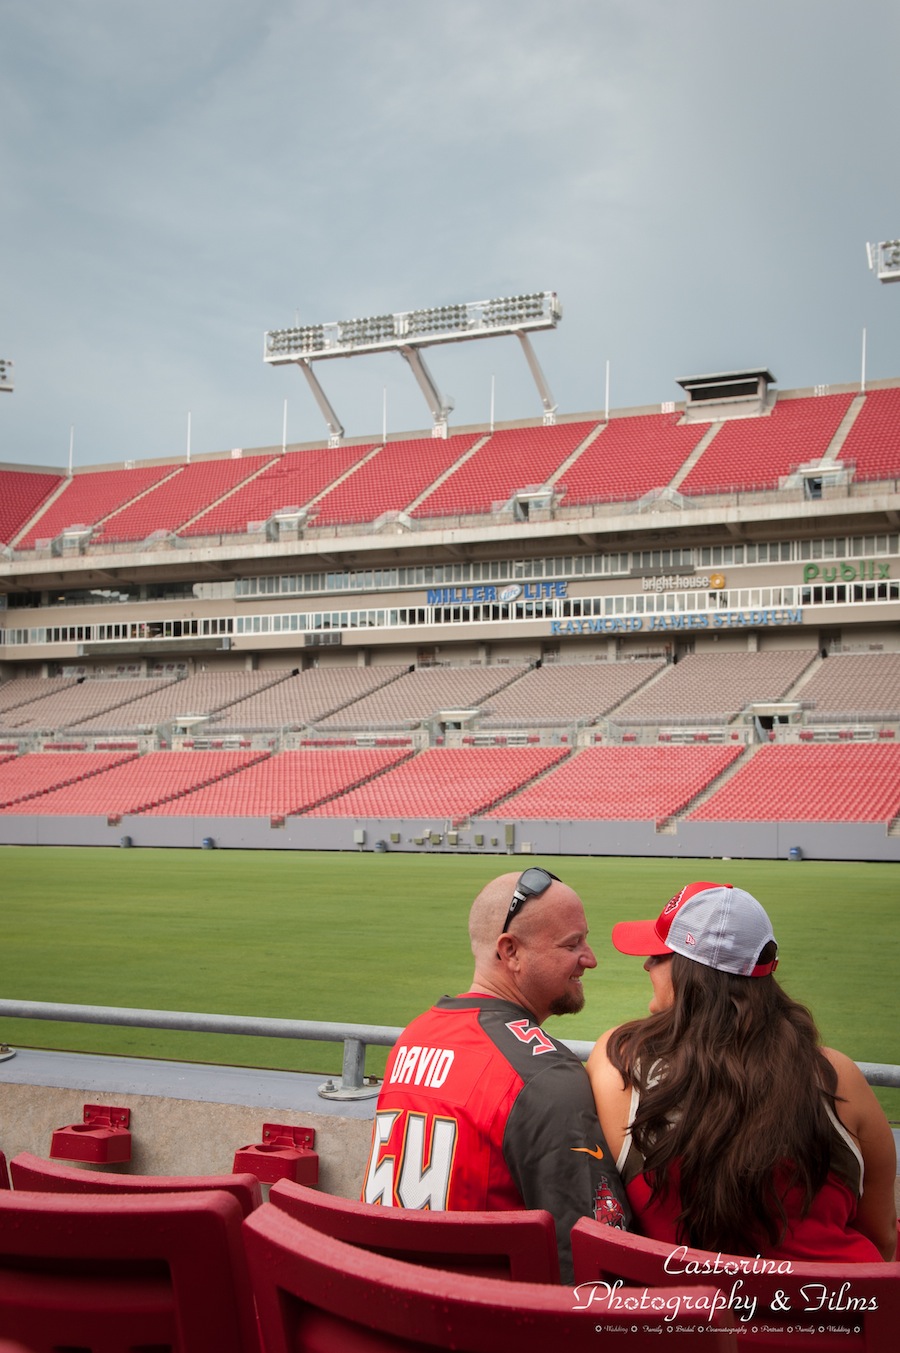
{"x":184,"y":1118}
{"x":690,"y":840}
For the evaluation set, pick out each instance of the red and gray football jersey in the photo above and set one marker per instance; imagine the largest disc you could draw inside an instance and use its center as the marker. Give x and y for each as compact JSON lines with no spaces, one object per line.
{"x":481,"y":1110}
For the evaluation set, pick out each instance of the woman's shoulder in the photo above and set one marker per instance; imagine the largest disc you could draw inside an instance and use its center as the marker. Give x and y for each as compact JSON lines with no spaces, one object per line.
{"x":848,"y":1073}
{"x":599,"y":1054}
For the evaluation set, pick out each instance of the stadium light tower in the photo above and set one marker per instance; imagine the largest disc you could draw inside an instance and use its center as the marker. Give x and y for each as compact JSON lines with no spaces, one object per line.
{"x":6,"y":380}
{"x":407,"y":332}
{"x":884,"y":260}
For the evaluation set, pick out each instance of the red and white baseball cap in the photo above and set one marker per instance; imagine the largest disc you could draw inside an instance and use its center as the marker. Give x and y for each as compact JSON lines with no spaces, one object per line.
{"x":712,"y":923}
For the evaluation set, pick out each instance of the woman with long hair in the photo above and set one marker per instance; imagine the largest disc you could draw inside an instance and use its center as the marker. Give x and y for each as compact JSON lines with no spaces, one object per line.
{"x":734,"y":1130}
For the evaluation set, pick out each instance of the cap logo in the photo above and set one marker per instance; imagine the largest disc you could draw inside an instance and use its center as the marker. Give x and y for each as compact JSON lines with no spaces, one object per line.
{"x":673,"y":903}
{"x":689,"y":939}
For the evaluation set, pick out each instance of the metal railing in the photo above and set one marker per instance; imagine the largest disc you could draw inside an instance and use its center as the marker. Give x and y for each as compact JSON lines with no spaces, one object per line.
{"x":354,"y":1083}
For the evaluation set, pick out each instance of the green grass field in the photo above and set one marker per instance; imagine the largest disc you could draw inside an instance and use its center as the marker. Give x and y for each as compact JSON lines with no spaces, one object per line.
{"x":374,"y":939}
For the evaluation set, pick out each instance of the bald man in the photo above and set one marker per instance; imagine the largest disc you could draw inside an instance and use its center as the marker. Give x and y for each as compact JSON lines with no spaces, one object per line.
{"x":480,"y":1108}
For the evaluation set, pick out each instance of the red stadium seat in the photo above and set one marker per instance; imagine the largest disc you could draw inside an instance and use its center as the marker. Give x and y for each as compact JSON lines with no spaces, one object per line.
{"x":517,"y":1245}
{"x":315,"y":1294}
{"x":112,"y":1274}
{"x":47,"y":1176}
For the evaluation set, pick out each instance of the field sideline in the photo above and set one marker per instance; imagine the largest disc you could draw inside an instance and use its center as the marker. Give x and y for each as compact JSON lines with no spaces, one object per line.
{"x":373,"y":939}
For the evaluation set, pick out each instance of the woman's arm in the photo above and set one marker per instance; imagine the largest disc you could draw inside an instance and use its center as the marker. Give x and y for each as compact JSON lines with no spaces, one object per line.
{"x":613,"y":1099}
{"x":862,"y":1115}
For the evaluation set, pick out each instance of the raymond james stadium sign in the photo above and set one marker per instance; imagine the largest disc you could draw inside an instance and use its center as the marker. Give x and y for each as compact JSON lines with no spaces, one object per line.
{"x":718,"y":620}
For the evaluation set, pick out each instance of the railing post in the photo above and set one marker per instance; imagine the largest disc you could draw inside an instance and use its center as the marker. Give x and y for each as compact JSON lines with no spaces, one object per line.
{"x":354,"y":1084}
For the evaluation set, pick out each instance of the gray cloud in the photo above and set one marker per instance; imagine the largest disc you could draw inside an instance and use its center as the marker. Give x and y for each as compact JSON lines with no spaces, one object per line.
{"x":697,"y":181}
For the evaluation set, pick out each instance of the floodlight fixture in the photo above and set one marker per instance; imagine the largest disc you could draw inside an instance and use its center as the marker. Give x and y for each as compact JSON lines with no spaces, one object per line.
{"x":884,"y":260}
{"x":6,"y":375}
{"x":410,"y":330}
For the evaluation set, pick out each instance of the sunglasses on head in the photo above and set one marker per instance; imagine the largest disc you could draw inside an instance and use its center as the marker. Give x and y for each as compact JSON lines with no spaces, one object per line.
{"x":532,"y":883}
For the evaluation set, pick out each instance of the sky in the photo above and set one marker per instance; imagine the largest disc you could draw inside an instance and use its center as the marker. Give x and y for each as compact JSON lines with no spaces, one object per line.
{"x":695,"y":179}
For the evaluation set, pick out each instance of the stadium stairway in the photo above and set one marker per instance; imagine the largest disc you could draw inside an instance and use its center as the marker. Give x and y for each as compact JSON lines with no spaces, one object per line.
{"x":712,"y":788}
{"x":357,"y":784}
{"x":37,"y":513}
{"x":215,"y":714}
{"x":658,"y":675}
{"x":451,"y":469}
{"x":575,"y":455}
{"x":346,"y":704}
{"x":695,"y":455}
{"x":542,"y":774}
{"x":251,"y":760}
{"x":189,"y":521}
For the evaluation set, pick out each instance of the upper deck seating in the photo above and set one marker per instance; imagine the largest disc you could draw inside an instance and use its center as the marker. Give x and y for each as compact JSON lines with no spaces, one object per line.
{"x":630,"y":457}
{"x":873,"y":444}
{"x":134,"y":784}
{"x":811,"y":782}
{"x":714,"y":687}
{"x":753,"y":453}
{"x":91,"y":496}
{"x":445,"y":782}
{"x":291,"y":481}
{"x":290,"y":782}
{"x":392,"y":479}
{"x":622,"y":783}
{"x":854,"y":686}
{"x":558,"y":693}
{"x":199,"y":694}
{"x":119,"y":1272}
{"x":317,"y":1294}
{"x":306,"y":697}
{"x":105,"y":701}
{"x":511,"y":459}
{"x":422,"y":694}
{"x":180,"y":497}
{"x":21,"y":494}
{"x":26,"y":777}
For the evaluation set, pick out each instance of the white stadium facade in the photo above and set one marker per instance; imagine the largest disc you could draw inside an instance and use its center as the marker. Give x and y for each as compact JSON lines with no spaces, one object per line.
{"x":669,"y":630}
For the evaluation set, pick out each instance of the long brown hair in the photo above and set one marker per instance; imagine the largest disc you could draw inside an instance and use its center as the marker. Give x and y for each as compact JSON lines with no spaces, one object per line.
{"x":734,"y":1088}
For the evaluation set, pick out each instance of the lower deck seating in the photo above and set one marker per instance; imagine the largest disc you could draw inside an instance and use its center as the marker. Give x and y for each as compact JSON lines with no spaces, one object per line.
{"x":31,"y":779}
{"x":134,"y":784}
{"x":622,"y":783}
{"x":446,"y":782}
{"x":811,"y":782}
{"x":291,"y":782}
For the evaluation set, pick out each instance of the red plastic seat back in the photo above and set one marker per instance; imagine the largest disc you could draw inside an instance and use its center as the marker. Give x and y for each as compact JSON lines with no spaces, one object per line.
{"x":315,"y":1294}
{"x":517,"y":1245}
{"x":112,"y":1274}
{"x":46,"y":1176}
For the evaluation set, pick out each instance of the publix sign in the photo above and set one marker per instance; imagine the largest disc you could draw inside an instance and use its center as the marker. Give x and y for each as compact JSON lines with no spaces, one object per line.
{"x":863,"y":571}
